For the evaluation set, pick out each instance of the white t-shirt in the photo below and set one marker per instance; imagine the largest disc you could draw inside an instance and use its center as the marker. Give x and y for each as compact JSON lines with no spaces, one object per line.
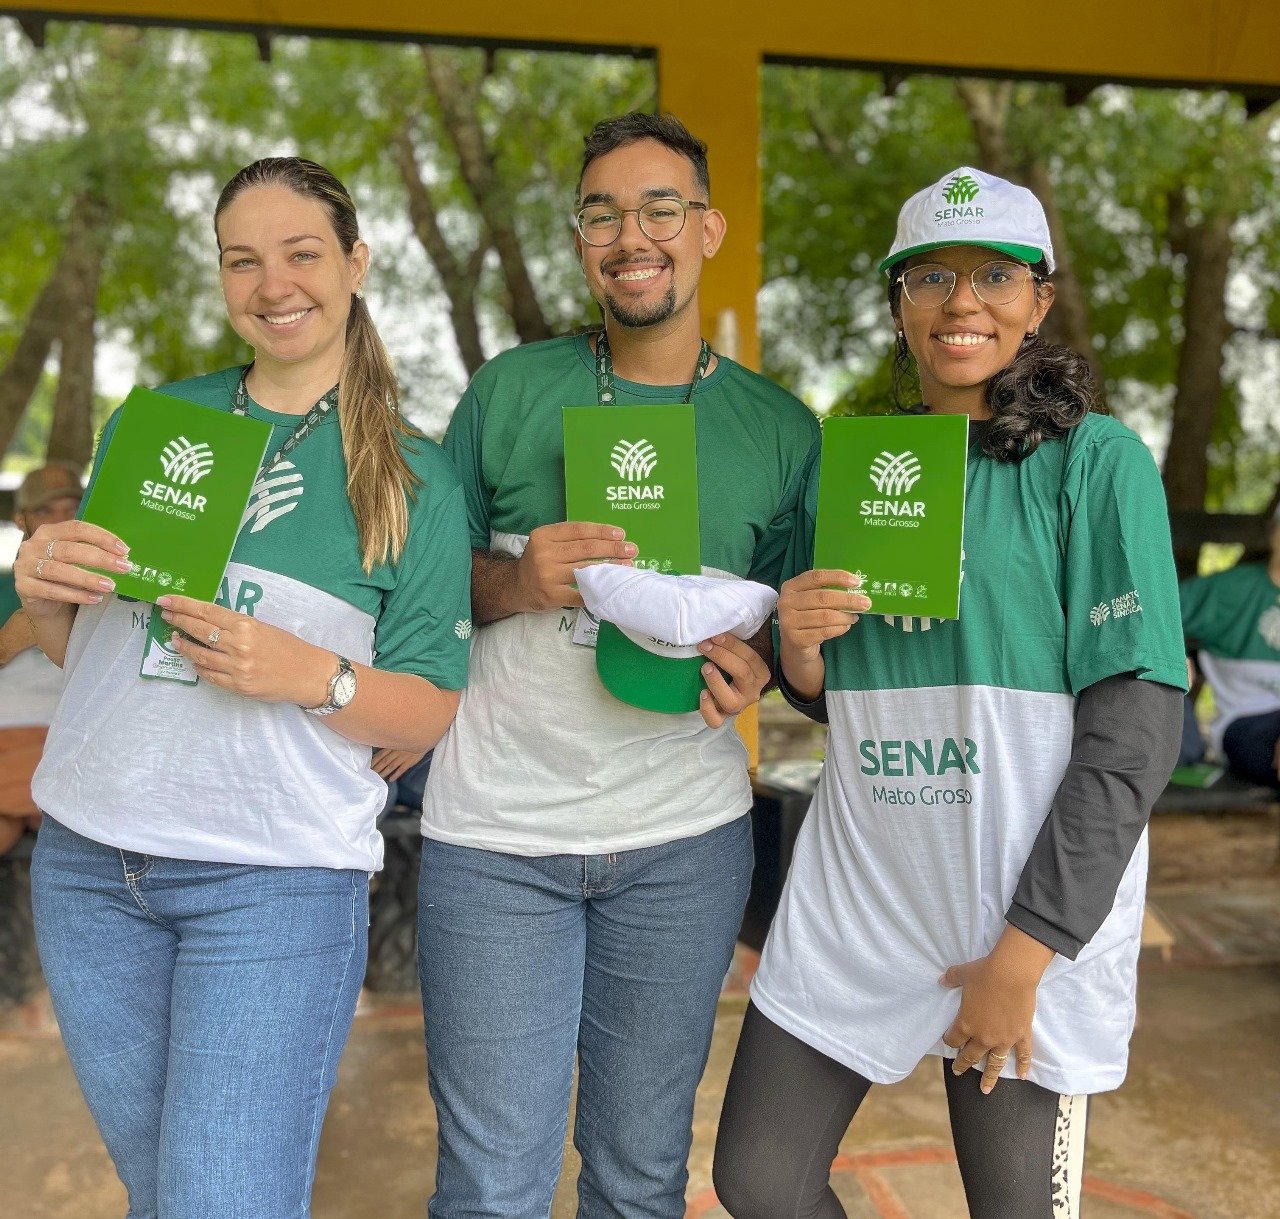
{"x":30,"y":686}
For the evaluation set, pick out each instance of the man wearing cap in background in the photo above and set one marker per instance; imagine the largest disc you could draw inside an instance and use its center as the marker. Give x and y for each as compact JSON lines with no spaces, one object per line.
{"x":30,"y":683}
{"x":587,"y":861}
{"x":1233,"y":619}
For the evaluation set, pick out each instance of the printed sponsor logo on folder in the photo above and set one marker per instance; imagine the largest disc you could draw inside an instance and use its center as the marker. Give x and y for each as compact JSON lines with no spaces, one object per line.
{"x":173,"y":485}
{"x":891,"y":508}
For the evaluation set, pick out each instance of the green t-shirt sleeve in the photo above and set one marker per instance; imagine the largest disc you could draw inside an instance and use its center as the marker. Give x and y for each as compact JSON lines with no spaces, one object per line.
{"x":99,"y":452}
{"x":425,"y":623}
{"x":769,"y":561}
{"x":1202,"y":609}
{"x":1121,"y":589}
{"x":798,"y":554}
{"x":462,"y":442}
{"x":9,"y":601}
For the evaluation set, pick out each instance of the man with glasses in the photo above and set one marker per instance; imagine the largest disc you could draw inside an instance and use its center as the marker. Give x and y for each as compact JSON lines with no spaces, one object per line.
{"x":586,"y":863}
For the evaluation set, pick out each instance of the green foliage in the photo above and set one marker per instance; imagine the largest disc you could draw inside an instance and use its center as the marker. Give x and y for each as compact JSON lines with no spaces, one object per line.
{"x":840,"y":158}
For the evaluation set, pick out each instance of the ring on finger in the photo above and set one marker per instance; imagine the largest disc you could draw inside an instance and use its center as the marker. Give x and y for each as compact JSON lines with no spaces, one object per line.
{"x":214,"y":636}
{"x":48,"y":551}
{"x":40,"y":567}
{"x":1000,"y":1059}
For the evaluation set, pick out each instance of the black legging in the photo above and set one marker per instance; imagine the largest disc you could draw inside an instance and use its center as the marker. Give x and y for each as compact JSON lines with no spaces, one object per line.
{"x":787,"y":1107}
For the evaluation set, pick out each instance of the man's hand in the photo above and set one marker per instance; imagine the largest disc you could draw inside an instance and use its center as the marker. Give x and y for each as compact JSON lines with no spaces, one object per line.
{"x":392,"y":763}
{"x":747,"y":676}
{"x":544,"y":573}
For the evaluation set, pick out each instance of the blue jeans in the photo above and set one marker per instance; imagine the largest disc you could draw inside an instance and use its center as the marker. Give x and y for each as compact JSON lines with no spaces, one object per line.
{"x":1250,"y":746}
{"x":204,"y":1007}
{"x":526,"y":962}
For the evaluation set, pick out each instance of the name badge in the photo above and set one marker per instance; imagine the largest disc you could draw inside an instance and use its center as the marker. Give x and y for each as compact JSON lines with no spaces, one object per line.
{"x":159,"y":659}
{"x":586,"y":629}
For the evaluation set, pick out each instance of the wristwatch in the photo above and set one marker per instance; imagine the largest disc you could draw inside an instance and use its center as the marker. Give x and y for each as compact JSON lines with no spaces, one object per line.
{"x":342,"y":689}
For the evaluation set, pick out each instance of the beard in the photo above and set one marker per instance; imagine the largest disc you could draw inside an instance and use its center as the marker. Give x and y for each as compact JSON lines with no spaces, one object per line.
{"x":636,"y":317}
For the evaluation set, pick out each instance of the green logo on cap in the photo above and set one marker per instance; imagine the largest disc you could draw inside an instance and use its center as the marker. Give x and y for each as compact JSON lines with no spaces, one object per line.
{"x":960,"y":189}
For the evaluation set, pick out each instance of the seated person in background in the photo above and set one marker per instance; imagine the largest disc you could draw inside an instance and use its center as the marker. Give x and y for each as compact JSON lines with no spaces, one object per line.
{"x":29,"y":682}
{"x":1234,"y":619}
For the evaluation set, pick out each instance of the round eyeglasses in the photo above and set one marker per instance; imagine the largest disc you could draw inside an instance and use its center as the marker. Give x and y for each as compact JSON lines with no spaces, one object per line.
{"x":659,"y":219}
{"x":930,"y":285}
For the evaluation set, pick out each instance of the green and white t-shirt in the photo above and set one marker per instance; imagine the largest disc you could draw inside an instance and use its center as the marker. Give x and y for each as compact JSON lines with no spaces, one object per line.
{"x":947,"y":743}
{"x":195,"y":772}
{"x":541,"y":760}
{"x":1234,"y":617}
{"x":30,"y":684}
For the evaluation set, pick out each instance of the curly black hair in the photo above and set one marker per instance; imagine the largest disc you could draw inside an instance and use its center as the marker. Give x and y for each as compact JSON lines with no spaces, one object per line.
{"x":1044,"y":391}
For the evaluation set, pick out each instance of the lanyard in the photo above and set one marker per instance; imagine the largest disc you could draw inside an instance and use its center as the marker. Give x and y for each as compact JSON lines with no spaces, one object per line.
{"x":604,"y":370}
{"x":312,"y":420}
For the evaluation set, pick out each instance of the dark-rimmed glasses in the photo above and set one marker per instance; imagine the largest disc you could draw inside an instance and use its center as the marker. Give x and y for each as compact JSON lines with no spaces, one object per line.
{"x":930,"y":285}
{"x":659,"y":219}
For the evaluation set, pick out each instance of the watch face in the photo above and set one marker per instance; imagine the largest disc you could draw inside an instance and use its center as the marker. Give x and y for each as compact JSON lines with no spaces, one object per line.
{"x":344,"y":689}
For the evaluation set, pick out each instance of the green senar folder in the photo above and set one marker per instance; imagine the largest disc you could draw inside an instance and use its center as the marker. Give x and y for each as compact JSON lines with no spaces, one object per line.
{"x":173,"y":485}
{"x":891,"y":508}
{"x":636,"y":467}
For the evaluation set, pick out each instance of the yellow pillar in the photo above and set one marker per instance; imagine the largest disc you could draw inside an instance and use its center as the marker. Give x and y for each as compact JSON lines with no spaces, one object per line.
{"x":714,"y":89}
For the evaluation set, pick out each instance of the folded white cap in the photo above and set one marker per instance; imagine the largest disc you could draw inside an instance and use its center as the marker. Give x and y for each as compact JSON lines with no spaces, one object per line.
{"x":670,"y":615}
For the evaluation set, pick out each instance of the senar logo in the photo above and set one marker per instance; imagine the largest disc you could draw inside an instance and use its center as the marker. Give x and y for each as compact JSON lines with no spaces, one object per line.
{"x":634,"y":461}
{"x":274,"y":495}
{"x":960,"y":188}
{"x":895,"y":474}
{"x":185,"y":462}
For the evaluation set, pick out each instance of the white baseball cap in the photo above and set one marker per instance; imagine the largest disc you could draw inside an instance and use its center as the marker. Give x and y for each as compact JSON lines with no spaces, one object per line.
{"x":651,"y":624}
{"x":968,"y":207}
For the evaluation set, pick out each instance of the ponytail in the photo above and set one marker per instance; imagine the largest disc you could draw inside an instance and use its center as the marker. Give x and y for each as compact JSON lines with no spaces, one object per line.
{"x":380,"y":484}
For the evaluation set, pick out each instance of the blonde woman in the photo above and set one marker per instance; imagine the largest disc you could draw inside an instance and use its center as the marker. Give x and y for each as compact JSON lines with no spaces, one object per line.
{"x":201,"y":880}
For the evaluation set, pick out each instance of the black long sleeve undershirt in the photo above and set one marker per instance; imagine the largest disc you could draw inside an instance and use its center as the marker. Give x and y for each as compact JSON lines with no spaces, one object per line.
{"x":1122,"y":753}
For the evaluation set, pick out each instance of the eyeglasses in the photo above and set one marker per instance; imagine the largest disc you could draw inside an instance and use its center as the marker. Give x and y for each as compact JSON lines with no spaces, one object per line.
{"x":930,"y":285}
{"x":659,"y":219}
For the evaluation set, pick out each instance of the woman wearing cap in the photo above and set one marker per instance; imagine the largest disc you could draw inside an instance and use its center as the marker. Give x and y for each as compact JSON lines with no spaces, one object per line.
{"x":201,"y":877}
{"x":990,"y":911}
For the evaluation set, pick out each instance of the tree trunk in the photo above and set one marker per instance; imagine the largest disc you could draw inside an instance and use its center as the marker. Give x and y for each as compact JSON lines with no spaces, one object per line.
{"x":459,"y":278}
{"x":21,"y":375}
{"x":1207,"y":247}
{"x":71,"y":431}
{"x":987,"y":105}
{"x":475,"y":160}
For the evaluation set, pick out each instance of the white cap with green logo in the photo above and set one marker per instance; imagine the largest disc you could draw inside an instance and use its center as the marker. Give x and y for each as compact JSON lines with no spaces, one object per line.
{"x":968,"y":207}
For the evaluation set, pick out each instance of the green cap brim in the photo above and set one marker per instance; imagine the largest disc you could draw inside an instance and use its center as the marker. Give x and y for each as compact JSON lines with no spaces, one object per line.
{"x":671,"y":685}
{"x":1023,"y":253}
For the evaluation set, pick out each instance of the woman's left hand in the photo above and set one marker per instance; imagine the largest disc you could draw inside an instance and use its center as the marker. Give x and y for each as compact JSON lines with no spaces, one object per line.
{"x":239,"y":653}
{"x":997,"y":1006}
